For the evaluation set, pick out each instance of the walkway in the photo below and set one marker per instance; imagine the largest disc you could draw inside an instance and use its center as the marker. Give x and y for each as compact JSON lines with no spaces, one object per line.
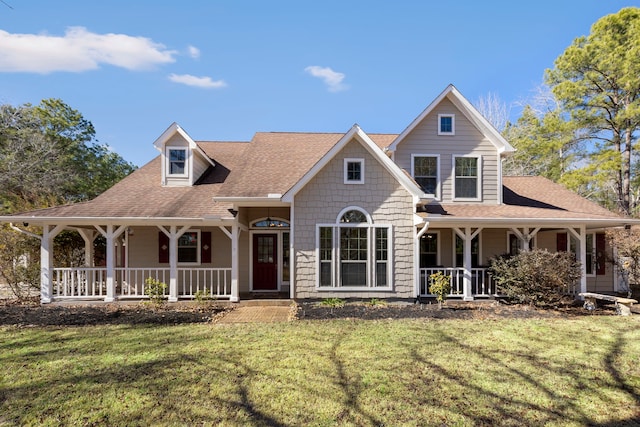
{"x":261,"y":311}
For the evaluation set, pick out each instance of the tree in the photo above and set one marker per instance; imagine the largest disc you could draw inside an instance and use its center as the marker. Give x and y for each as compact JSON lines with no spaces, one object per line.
{"x":597,"y":81}
{"x":48,"y":155}
{"x":544,"y":145}
{"x":494,"y":110}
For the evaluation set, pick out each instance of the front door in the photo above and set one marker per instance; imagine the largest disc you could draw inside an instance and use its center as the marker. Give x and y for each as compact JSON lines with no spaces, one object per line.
{"x":265,"y":262}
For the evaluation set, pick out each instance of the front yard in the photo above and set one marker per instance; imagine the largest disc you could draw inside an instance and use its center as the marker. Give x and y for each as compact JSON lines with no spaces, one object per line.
{"x":575,"y":371}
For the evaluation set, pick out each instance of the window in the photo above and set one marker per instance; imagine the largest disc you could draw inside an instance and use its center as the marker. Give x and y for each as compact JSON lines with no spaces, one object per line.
{"x":475,"y":251}
{"x":429,"y":250}
{"x":189,"y":247}
{"x":446,"y":124}
{"x":467,"y":178}
{"x":594,"y":250}
{"x":425,"y":172}
{"x":354,"y":253}
{"x":354,"y":171}
{"x":177,"y":158}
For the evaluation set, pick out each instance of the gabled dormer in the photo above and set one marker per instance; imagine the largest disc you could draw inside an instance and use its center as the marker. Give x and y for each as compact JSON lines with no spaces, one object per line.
{"x":182,"y":161}
{"x":453,"y":152}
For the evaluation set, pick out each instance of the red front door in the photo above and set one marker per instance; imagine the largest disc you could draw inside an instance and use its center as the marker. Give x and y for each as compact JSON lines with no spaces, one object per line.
{"x":265,"y":262}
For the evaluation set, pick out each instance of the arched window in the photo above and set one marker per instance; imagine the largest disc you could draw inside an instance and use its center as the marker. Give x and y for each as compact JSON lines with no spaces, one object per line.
{"x":270,"y":223}
{"x":354,"y":253}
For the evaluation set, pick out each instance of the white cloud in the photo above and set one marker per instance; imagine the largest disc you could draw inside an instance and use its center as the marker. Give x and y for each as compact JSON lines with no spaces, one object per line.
{"x":79,"y":50}
{"x":203,"y":82}
{"x":331,"y":78}
{"x":194,"y":52}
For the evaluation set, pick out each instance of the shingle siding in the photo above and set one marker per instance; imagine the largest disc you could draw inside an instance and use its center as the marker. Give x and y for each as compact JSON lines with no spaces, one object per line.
{"x":424,"y":139}
{"x":326,"y":195}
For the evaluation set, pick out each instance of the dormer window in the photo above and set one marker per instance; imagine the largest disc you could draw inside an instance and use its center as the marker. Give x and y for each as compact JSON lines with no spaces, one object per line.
{"x":446,"y":124}
{"x":177,"y":161}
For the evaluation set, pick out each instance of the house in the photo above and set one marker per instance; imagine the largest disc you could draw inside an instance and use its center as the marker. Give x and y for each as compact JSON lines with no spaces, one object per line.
{"x":318,"y":215}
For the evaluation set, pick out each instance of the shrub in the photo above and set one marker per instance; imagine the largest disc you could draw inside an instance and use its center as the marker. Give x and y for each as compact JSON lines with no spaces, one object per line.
{"x":538,"y":277}
{"x":332,"y":302}
{"x":155,"y":289}
{"x":440,"y":286}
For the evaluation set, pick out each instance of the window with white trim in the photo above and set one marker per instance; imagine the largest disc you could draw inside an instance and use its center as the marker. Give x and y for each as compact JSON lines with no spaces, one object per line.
{"x":446,"y":124}
{"x":425,"y":171}
{"x":189,"y":248}
{"x":354,"y":253}
{"x":354,"y":171}
{"x":467,"y":177}
{"x":514,"y":245}
{"x":176,"y":161}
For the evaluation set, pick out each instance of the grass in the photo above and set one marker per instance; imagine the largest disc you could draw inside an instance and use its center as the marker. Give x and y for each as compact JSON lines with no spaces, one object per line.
{"x":582,"y":371}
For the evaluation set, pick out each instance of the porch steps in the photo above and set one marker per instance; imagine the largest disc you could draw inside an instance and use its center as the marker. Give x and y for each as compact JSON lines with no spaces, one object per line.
{"x":266,"y":302}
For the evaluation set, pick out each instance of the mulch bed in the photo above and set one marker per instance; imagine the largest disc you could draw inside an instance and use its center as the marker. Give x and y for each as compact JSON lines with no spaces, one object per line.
{"x":31,"y":313}
{"x":451,"y":310}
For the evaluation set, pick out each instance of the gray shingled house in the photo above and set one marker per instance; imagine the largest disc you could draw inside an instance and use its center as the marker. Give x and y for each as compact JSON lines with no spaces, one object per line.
{"x":317,"y":215}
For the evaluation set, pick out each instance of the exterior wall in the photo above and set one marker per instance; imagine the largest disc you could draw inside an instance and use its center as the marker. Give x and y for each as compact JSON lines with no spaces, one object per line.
{"x":494,"y":242}
{"x":326,"y":195}
{"x":143,"y":248}
{"x":424,"y":139}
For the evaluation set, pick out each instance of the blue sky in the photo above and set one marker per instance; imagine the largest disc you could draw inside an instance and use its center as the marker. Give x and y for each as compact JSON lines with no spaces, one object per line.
{"x":224,"y":70}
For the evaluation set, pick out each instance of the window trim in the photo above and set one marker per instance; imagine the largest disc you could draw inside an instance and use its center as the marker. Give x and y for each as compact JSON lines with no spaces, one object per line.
{"x":168,"y":149}
{"x":371,"y":262}
{"x":198,"y":247}
{"x":453,"y":124}
{"x":478,"y":197}
{"x":436,"y":195}
{"x":346,"y":170}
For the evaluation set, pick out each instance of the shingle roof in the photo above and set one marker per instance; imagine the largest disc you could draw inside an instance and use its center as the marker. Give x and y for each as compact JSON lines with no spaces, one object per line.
{"x":525,"y":197}
{"x":271,"y":163}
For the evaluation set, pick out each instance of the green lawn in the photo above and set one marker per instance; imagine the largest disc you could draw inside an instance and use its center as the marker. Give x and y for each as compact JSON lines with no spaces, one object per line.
{"x":580,"y":371}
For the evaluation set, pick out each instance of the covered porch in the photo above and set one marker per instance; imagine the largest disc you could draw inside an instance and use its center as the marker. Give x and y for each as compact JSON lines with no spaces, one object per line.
{"x":463,"y":253}
{"x":183,"y":256}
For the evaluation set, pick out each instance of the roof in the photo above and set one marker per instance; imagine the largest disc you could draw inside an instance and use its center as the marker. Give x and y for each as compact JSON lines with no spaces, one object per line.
{"x":275,"y":162}
{"x":527,"y":197}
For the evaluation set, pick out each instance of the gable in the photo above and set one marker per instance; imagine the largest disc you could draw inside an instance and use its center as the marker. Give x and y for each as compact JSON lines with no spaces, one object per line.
{"x":356,"y":134}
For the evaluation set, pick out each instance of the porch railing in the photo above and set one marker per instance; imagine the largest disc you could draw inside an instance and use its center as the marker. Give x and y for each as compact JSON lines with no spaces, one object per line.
{"x":91,"y":282}
{"x":481,"y":283}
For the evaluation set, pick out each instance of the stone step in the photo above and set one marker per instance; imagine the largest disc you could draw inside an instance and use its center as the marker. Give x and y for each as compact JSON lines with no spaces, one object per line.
{"x":266,"y":302}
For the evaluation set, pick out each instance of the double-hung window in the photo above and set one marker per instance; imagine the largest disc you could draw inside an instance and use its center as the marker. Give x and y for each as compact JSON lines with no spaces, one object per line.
{"x":189,"y":248}
{"x":176,"y":161}
{"x":354,"y":252}
{"x":467,"y":177}
{"x":425,"y":172}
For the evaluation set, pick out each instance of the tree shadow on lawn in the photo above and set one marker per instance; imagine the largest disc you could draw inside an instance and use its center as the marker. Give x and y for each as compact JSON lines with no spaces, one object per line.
{"x":509,"y":408}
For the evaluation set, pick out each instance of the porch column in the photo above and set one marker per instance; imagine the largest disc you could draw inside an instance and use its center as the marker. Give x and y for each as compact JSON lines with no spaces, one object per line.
{"x":173,"y":234}
{"x":46,"y":262}
{"x":467,"y":236}
{"x":111,"y":234}
{"x":581,"y":235}
{"x":525,"y":237}
{"x":89,"y":236}
{"x":235,"y":289}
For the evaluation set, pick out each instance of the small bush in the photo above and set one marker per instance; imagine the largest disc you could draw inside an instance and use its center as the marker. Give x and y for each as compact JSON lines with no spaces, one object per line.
{"x":202,"y":296}
{"x":440,"y":286}
{"x":376,"y":301}
{"x":155,"y":289}
{"x":538,"y":277}
{"x":332,"y":302}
